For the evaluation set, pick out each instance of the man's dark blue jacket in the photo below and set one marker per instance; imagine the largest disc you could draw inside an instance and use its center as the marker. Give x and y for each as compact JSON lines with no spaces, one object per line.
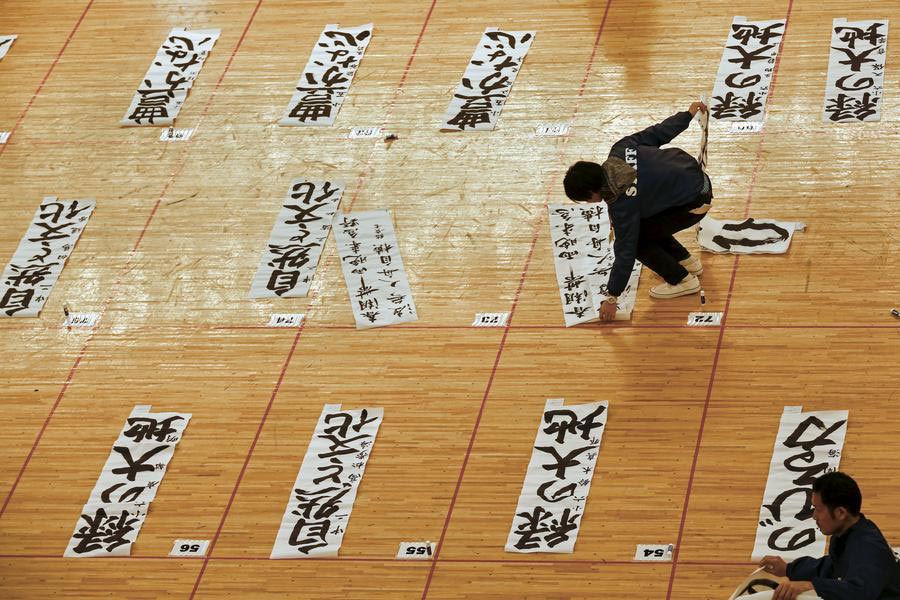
{"x":665,"y":178}
{"x":860,"y":566}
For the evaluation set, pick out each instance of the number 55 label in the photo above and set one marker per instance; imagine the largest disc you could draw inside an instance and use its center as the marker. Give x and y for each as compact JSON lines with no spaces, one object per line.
{"x":416,"y":550}
{"x":189,"y":548}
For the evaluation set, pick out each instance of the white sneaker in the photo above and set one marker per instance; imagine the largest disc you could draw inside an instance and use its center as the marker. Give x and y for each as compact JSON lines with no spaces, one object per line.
{"x":692,"y":264}
{"x":688,"y":285}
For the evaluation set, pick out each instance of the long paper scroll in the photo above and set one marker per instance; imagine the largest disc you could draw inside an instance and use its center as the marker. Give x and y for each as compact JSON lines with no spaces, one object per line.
{"x":289,"y":261}
{"x":808,"y":445}
{"x":169,"y":79}
{"x":6,"y":42}
{"x":583,"y":256}
{"x":489,"y":77}
{"x":373,"y":269}
{"x":856,"y":64}
{"x":742,"y":83}
{"x":320,"y":504}
{"x":326,"y":80}
{"x":51,"y":237}
{"x":551,"y":504}
{"x":115,"y":511}
{"x":750,"y":236}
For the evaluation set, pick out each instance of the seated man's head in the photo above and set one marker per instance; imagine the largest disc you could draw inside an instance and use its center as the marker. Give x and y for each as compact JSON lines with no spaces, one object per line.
{"x":585,"y":181}
{"x":836,"y":502}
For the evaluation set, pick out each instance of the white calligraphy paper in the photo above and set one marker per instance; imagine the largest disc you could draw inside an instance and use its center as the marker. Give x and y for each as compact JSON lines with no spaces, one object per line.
{"x":750,"y":236}
{"x":6,"y":42}
{"x":558,"y":480}
{"x":488,"y":79}
{"x":169,"y":79}
{"x":855,"y":87}
{"x":326,"y":80}
{"x":584,"y":256}
{"x":322,"y":498}
{"x":128,"y":483}
{"x":742,"y":83}
{"x":42,"y":253}
{"x":288,"y":264}
{"x":808,"y":445}
{"x":373,"y":269}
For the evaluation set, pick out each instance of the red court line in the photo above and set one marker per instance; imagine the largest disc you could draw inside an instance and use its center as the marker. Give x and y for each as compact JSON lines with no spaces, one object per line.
{"x":291,"y":353}
{"x":125,"y":270}
{"x":240,"y":478}
{"x":421,"y":563}
{"x":46,"y":77}
{"x":390,"y":108}
{"x":712,"y":376}
{"x":536,"y":233}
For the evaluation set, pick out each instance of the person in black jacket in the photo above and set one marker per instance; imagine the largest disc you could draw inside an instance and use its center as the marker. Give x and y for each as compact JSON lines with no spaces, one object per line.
{"x":860,"y":564}
{"x":651,"y":193}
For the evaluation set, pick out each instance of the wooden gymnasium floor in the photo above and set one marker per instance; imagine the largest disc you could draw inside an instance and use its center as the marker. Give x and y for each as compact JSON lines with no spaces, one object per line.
{"x":170,"y":250}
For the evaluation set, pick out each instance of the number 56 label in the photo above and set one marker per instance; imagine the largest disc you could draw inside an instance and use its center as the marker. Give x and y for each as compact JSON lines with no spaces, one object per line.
{"x":189,"y":548}
{"x":416,"y":550}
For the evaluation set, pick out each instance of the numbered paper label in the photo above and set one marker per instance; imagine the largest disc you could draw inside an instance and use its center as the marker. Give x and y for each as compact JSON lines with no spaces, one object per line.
{"x":746,"y":126}
{"x":86,"y":320}
{"x":285,"y":320}
{"x":704,"y":319}
{"x":490,"y":320}
{"x":364,"y":132}
{"x":176,"y":135}
{"x":189,"y":548}
{"x":416,"y":550}
{"x":551,"y":129}
{"x":660,"y":552}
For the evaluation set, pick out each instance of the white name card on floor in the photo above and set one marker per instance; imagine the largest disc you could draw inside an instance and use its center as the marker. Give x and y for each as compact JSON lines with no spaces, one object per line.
{"x":551,"y":129}
{"x":358,"y":133}
{"x":285,"y":320}
{"x":746,"y":126}
{"x":416,"y":550}
{"x":325,"y":82}
{"x":704,"y":319}
{"x":583,"y":256}
{"x":170,"y":77}
{"x":490,"y":319}
{"x":83,"y":320}
{"x":171,"y":134}
{"x":807,"y":446}
{"x":558,"y":478}
{"x":856,"y":64}
{"x":654,"y":552}
{"x":745,"y":71}
{"x":4,"y":135}
{"x":189,"y":548}
{"x":288,"y":264}
{"x":322,"y":497}
{"x":35,"y":266}
{"x":6,"y":42}
{"x":488,"y":79}
{"x":373,"y":269}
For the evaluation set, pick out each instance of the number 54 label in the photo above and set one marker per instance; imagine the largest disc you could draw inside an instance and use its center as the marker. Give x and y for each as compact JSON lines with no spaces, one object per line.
{"x":661,"y":552}
{"x":416,"y":550}
{"x":189,"y":548}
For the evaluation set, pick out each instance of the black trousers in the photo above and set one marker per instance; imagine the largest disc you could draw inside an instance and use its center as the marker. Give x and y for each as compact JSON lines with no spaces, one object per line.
{"x":658,"y":249}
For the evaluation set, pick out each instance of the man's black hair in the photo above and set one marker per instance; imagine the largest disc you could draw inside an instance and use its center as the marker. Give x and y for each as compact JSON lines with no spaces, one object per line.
{"x":582,"y":179}
{"x":838,"y":489}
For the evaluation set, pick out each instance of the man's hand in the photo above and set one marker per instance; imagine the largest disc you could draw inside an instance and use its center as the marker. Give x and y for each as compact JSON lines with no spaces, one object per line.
{"x":789,"y":590}
{"x":774,"y":565}
{"x":607,"y":311}
{"x":697,"y":106}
